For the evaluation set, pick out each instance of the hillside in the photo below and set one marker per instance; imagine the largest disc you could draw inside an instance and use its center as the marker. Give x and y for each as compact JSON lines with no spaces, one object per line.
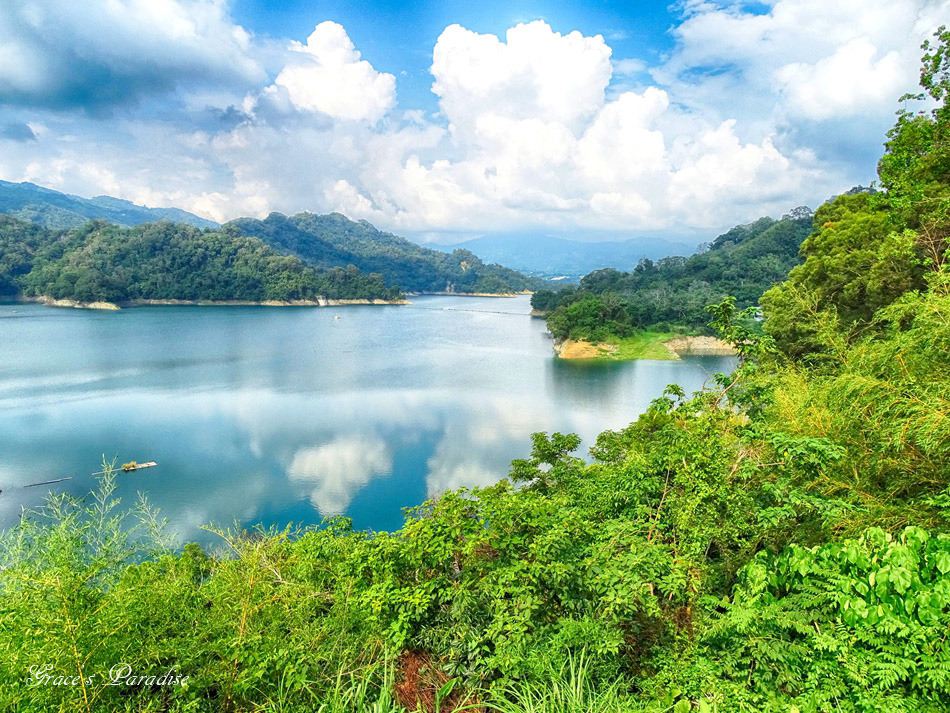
{"x":324,"y":240}
{"x":164,"y":261}
{"x":53,"y":209}
{"x":672,"y":293}
{"x":545,"y":256}
{"x":321,"y":241}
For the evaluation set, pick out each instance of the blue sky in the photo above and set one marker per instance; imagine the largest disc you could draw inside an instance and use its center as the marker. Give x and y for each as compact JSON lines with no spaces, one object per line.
{"x":398,"y":37}
{"x":448,"y":120}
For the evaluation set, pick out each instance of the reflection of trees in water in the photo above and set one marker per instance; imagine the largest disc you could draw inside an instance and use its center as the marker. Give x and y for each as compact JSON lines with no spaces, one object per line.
{"x":625,"y":389}
{"x":586,"y":382}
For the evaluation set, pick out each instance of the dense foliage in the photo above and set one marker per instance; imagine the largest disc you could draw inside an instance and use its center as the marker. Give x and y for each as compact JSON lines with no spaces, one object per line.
{"x":324,"y":240}
{"x":673,"y":292}
{"x":103,"y":262}
{"x":777,"y":543}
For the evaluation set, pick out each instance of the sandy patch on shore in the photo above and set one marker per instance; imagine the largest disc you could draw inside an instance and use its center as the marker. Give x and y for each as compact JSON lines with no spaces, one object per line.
{"x":699,"y":346}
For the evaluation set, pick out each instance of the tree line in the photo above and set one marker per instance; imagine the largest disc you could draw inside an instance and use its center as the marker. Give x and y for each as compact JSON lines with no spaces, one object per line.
{"x":103,"y":262}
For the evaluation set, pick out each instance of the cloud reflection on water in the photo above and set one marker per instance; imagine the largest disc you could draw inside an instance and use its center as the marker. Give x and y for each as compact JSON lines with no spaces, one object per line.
{"x":340,"y":468}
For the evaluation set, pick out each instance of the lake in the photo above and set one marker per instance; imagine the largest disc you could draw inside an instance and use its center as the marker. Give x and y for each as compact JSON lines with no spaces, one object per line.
{"x":264,"y":415}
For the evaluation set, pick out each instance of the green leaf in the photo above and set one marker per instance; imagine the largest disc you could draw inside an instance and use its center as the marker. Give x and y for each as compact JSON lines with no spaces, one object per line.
{"x":901,"y":579}
{"x":943,"y":562}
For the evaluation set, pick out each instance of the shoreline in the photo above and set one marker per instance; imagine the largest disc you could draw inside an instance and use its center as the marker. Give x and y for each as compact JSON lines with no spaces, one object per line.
{"x":48,"y":301}
{"x":112,"y":306}
{"x":469,"y":294}
{"x":646,"y":346}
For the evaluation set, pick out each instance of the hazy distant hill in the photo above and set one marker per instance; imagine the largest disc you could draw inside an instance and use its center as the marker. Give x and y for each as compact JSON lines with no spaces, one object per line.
{"x":550,"y":257}
{"x":324,"y":240}
{"x":53,"y":209}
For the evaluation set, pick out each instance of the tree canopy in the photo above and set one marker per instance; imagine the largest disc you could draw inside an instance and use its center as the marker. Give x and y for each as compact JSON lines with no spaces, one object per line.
{"x":325,"y":240}
{"x":103,"y":262}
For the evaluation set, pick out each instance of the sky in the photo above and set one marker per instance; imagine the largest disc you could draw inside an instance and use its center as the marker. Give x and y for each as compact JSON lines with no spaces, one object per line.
{"x":449,"y":120}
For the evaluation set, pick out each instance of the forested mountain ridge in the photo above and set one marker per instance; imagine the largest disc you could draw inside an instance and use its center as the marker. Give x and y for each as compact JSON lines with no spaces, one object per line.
{"x":545,"y":256}
{"x":322,"y":240}
{"x":53,"y":209}
{"x":672,"y":293}
{"x":280,"y":258}
{"x":102,"y":262}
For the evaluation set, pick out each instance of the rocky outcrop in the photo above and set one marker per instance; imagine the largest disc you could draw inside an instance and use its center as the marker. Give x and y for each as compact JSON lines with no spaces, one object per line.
{"x":50,"y":302}
{"x":698,"y":346}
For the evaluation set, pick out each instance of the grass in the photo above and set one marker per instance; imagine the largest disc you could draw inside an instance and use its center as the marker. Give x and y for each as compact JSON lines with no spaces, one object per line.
{"x":643,"y":345}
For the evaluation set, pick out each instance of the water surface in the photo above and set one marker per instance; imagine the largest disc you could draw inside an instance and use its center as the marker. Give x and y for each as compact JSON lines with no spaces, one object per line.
{"x":263,"y":415}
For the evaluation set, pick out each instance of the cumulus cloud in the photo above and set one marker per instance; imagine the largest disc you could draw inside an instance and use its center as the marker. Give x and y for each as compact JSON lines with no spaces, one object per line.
{"x":843,"y":84}
{"x":534,"y":74}
{"x":99,"y":53}
{"x":327,"y":75}
{"x":535,"y":140}
{"x":805,"y":58}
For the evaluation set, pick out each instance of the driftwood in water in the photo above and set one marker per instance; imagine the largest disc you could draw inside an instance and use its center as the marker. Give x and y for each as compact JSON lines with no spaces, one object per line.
{"x":126,"y":467}
{"x":47,"y":482}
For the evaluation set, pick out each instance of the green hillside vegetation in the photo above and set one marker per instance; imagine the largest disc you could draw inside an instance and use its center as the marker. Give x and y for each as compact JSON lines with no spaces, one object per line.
{"x":324,"y":240}
{"x":103,"y":262}
{"x":779,"y":543}
{"x":52,"y":209}
{"x":672,"y":293}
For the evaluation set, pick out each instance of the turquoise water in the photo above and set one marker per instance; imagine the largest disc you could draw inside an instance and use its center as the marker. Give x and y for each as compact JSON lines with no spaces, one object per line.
{"x":263,"y":415}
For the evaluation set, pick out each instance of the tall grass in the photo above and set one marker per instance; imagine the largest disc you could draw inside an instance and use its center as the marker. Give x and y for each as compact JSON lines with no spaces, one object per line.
{"x":568,"y":690}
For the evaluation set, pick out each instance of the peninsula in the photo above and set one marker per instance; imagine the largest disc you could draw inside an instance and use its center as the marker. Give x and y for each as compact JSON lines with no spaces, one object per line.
{"x":658,"y":310}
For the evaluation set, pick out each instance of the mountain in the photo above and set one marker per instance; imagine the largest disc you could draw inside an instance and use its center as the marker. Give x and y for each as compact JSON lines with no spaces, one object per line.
{"x":164,"y":261}
{"x":53,"y":209}
{"x":552,"y":257}
{"x":673,"y":292}
{"x":324,"y":240}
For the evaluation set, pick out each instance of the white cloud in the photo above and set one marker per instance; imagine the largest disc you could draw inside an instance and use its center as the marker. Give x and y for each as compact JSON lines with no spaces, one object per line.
{"x":535,"y":74}
{"x":102,"y":53}
{"x":628,"y":66}
{"x":844,"y":83}
{"x":327,"y":75}
{"x":805,"y":58}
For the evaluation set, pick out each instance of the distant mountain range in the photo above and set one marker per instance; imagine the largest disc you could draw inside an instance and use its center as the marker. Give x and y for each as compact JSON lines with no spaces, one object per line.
{"x":53,"y":209}
{"x":326,"y":240}
{"x":553,"y":257}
